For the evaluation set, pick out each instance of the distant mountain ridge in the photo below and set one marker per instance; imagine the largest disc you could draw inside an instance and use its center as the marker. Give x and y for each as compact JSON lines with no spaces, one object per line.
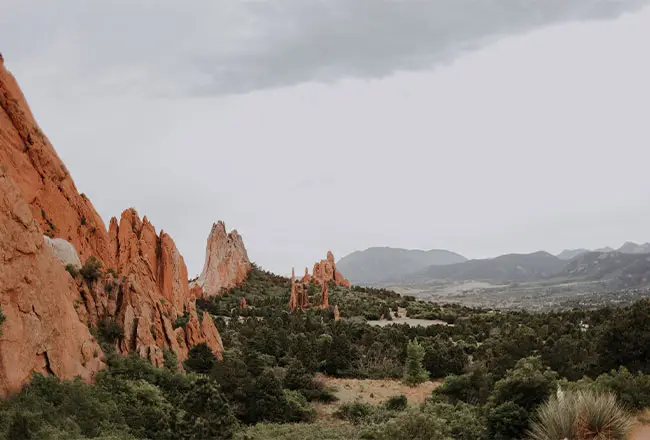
{"x":628,"y":247}
{"x":378,"y":264}
{"x":505,"y":268}
{"x":620,"y":270}
{"x":624,"y":267}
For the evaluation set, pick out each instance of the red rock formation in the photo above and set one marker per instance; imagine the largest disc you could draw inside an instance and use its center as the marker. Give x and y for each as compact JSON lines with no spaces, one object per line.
{"x":337,"y":313}
{"x":242,"y":304}
{"x":324,"y":300}
{"x":42,"y":332}
{"x":155,"y":292}
{"x":306,"y":278}
{"x":148,"y":293}
{"x":298,"y":299}
{"x":43,"y":179}
{"x":325,"y":271}
{"x":226,"y":261}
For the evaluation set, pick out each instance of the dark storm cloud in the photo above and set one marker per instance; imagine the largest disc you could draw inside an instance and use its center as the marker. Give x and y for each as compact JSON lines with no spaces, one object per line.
{"x":220,"y":47}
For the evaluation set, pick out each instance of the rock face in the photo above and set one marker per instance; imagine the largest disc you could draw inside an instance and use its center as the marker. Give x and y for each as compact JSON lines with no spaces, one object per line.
{"x":337,"y":313}
{"x":226,"y":261}
{"x":299,"y":299}
{"x":324,"y":299}
{"x":242,"y":304}
{"x":48,"y":313}
{"x":325,"y":271}
{"x":43,"y":179}
{"x":63,"y":251}
{"x":306,"y":277}
{"x":42,"y":332}
{"x":154,"y":293}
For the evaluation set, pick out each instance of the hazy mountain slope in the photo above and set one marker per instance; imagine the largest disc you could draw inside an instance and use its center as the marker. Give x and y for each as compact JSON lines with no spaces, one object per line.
{"x":510,"y":267}
{"x":620,"y":270}
{"x":569,"y":254}
{"x":383,"y":263}
{"x":634,"y":248}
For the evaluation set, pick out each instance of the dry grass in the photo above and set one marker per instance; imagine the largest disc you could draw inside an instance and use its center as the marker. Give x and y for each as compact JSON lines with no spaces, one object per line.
{"x":373,"y":391}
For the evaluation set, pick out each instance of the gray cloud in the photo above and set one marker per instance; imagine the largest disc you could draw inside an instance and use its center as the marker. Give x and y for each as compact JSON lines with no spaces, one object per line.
{"x":535,"y":141}
{"x":219,"y":47}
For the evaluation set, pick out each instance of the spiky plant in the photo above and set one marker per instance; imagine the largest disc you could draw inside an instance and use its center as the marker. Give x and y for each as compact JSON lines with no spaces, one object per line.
{"x":583,"y":415}
{"x":601,"y":417}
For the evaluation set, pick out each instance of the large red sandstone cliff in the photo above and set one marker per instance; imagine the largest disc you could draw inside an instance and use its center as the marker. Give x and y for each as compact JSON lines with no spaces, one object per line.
{"x":226,"y":261}
{"x":42,"y":332}
{"x":48,"y":313}
{"x":43,"y":179}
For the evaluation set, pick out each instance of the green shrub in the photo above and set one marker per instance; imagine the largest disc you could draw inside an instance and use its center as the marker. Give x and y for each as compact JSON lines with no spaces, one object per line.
{"x":355,"y":413}
{"x":414,"y":372}
{"x":581,"y":415}
{"x":200,"y":359}
{"x":91,"y":270}
{"x":397,"y":403}
{"x":109,"y":331}
{"x":182,"y":320}
{"x":507,"y":421}
{"x":465,"y":421}
{"x":527,"y":385}
{"x":632,"y":390}
{"x":411,"y":425}
{"x":315,"y":431}
{"x":472,"y":387}
{"x":170,"y":360}
{"x":72,"y":270}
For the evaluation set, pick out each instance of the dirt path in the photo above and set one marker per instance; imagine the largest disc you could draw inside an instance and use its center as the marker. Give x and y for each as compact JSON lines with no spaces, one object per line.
{"x":640,"y":432}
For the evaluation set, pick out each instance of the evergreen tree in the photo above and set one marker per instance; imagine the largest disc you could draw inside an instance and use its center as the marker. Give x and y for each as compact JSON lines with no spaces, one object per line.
{"x":414,"y":372}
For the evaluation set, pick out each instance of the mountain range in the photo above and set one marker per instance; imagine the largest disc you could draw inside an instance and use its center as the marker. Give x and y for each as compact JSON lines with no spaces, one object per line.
{"x":378,"y":264}
{"x":627,"y":266}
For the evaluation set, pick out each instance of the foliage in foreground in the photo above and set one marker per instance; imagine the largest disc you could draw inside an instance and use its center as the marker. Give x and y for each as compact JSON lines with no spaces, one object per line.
{"x":581,"y":415}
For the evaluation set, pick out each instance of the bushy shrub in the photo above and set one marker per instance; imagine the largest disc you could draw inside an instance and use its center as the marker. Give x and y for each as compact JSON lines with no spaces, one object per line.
{"x":414,"y":372}
{"x":109,"y":331}
{"x":632,"y":390}
{"x":465,"y":421}
{"x":527,"y":385}
{"x":473,"y":387}
{"x":411,"y":425}
{"x":72,"y":270}
{"x":397,"y":403}
{"x":507,"y":421}
{"x":91,"y":270}
{"x":355,"y":412}
{"x":581,"y":415}
{"x":200,"y":359}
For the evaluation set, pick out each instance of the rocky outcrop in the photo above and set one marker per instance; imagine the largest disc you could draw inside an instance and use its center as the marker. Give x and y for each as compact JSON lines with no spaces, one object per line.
{"x":325,"y":298}
{"x":306,"y":278}
{"x":337,"y":313}
{"x":63,"y":251}
{"x":142,"y":286}
{"x":42,"y":332}
{"x":242,"y":304}
{"x":154,"y":293}
{"x":43,"y":179}
{"x":226,"y":261}
{"x":299,"y":299}
{"x":325,"y":272}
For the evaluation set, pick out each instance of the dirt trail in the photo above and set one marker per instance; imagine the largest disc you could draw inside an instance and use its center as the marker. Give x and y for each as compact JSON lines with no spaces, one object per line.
{"x":640,"y":432}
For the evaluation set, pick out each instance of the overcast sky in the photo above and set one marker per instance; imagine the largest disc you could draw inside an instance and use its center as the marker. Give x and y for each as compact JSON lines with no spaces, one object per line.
{"x":479,"y":126}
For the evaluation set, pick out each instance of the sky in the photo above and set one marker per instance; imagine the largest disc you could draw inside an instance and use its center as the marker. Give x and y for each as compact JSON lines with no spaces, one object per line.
{"x":479,"y":126}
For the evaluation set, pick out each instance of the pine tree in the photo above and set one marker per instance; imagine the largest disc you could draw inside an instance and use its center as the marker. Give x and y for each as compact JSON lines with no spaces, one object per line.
{"x":414,"y":372}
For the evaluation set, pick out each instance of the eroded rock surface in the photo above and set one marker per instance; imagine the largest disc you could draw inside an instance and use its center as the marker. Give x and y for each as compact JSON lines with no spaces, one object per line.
{"x":226,"y":261}
{"x":42,"y":332}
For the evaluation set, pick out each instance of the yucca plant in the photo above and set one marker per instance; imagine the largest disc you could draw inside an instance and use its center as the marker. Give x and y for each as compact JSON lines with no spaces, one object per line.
{"x":582,"y":415}
{"x":601,"y":417}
